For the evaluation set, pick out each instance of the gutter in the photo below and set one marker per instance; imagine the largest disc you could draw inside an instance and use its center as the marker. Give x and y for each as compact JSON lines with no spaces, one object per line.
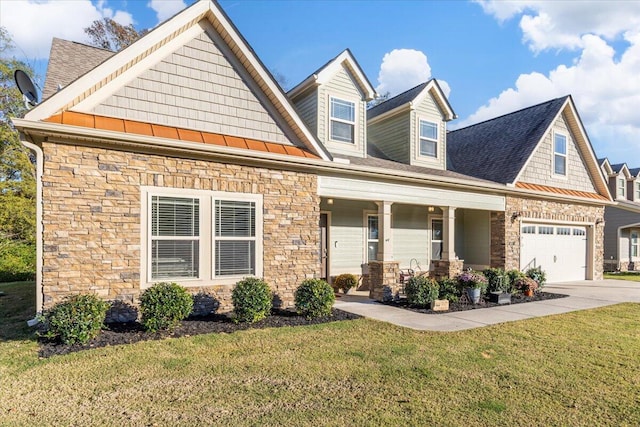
{"x":39,"y":263}
{"x":103,"y":139}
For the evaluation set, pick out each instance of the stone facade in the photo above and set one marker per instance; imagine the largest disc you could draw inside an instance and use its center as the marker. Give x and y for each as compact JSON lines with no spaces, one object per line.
{"x":442,"y":269}
{"x":92,"y":220}
{"x":505,"y":228}
{"x":384,"y":284}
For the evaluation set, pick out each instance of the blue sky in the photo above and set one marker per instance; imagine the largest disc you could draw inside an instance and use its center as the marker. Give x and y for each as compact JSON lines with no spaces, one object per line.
{"x":493,"y":57}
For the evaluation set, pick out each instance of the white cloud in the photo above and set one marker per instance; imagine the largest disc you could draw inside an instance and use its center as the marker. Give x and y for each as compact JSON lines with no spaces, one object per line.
{"x":561,"y":24}
{"x":32,"y":24}
{"x":165,"y":9}
{"x":604,"y":83}
{"x":402,"y":69}
{"x":606,"y":92}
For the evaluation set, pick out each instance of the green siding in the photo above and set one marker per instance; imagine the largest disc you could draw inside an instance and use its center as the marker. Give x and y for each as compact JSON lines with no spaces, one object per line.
{"x":410,"y":236}
{"x":342,"y":85}
{"x":392,"y":136}
{"x":307,"y":106}
{"x":428,"y":110}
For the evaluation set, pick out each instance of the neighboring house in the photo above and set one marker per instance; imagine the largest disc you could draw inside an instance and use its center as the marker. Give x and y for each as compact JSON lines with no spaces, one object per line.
{"x":622,"y":220}
{"x":181,"y":159}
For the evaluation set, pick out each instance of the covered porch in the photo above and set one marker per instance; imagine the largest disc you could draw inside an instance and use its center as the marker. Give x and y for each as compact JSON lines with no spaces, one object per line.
{"x":380,"y":231}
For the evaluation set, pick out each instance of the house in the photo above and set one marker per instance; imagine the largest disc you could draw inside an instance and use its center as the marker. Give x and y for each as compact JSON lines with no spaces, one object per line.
{"x":622,"y":220}
{"x":556,"y":220}
{"x":181,"y":159}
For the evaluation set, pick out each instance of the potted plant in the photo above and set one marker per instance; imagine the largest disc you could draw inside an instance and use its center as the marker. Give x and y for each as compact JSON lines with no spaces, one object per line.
{"x":474,"y":283}
{"x":346,"y":282}
{"x":537,"y":274}
{"x":498,"y":285}
{"x":526,"y":285}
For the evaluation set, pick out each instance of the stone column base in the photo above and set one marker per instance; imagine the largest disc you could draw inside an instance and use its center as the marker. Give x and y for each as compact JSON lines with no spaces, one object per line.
{"x":384,"y":280}
{"x":442,"y":269}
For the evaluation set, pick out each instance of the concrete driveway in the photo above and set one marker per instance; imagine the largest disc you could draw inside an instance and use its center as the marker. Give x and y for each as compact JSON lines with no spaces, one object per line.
{"x":583,"y":295}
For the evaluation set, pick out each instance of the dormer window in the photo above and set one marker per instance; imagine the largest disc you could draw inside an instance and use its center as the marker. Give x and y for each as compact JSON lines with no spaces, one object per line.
{"x":560,"y":154}
{"x":621,"y":187}
{"x":637,"y":191}
{"x":428,"y":139}
{"x":343,"y":116}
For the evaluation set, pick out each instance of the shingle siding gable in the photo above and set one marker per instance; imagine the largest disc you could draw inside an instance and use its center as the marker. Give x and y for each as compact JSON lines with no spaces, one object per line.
{"x":196,"y":87}
{"x":539,"y":169}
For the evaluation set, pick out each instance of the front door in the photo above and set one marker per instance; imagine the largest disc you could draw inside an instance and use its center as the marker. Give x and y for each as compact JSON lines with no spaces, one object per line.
{"x":324,"y":246}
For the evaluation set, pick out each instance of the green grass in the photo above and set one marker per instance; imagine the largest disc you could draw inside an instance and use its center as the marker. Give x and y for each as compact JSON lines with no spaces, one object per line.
{"x":579,"y":368}
{"x":17,"y":305}
{"x":625,"y":275}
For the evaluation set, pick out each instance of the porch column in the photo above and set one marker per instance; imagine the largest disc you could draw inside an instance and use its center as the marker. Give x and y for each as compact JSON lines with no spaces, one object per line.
{"x":385,"y":237}
{"x":449,"y":234}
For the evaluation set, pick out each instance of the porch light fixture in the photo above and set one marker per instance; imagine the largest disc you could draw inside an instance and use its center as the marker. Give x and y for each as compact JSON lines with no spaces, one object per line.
{"x":330,"y":201}
{"x":599,"y":221}
{"x":515,"y":215}
{"x":431,"y":209}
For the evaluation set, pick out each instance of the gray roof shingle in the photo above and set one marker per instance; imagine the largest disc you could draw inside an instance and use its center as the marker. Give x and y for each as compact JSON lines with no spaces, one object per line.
{"x":69,"y":60}
{"x":497,"y":149}
{"x":403,"y":167}
{"x":396,"y":101}
{"x":618,"y":167}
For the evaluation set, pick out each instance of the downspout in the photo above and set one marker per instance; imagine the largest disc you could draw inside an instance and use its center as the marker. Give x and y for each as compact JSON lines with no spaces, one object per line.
{"x":39,"y":172}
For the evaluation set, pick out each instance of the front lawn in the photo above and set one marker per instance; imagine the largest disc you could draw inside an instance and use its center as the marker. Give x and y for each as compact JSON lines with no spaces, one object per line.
{"x":625,"y":275}
{"x":579,"y":368}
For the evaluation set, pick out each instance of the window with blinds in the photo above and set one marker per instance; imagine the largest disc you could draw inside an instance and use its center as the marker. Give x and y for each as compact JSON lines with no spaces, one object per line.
{"x":200,"y":237}
{"x":235,"y":238}
{"x":343,"y":119}
{"x":175,"y":237}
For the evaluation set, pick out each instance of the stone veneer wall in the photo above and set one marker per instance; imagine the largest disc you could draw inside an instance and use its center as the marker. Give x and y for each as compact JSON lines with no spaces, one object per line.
{"x":384,"y":280}
{"x":442,"y":269}
{"x":91,"y":219}
{"x":505,"y":232}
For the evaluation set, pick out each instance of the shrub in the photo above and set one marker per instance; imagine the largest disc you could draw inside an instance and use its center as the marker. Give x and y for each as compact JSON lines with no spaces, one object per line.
{"x":164,"y":305}
{"x":421,"y":291}
{"x":314,"y":298}
{"x":449,"y":290}
{"x":497,"y":280}
{"x":525,"y":283}
{"x":78,"y":319}
{"x":514,"y":276}
{"x":17,"y":261}
{"x":537,"y":274}
{"x":473,"y":279}
{"x":345,"y":282}
{"x":251,"y":300}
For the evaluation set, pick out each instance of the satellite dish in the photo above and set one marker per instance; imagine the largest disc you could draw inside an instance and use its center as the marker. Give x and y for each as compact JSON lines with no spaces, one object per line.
{"x":26,"y":86}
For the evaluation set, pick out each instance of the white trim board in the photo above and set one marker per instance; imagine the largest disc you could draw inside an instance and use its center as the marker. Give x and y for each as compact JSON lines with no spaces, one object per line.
{"x":365,"y":189}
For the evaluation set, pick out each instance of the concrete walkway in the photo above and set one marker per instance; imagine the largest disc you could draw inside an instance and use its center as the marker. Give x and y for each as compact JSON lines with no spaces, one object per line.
{"x":583,"y":295}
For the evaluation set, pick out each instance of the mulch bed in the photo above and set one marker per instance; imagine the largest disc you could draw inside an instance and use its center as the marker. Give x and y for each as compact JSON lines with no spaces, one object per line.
{"x":484,"y":303}
{"x":127,"y":333}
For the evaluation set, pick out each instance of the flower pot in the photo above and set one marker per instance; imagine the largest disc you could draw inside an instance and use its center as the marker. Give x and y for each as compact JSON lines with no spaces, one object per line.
{"x":528,"y":293}
{"x":474,"y":295}
{"x":500,"y":297}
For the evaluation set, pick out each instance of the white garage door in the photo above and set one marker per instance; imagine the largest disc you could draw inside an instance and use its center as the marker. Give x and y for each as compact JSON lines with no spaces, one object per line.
{"x":560,"y":250}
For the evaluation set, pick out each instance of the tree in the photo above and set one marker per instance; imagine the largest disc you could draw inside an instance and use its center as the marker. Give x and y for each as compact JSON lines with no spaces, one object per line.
{"x":17,"y":175}
{"x":378,"y":100}
{"x":108,"y":34}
